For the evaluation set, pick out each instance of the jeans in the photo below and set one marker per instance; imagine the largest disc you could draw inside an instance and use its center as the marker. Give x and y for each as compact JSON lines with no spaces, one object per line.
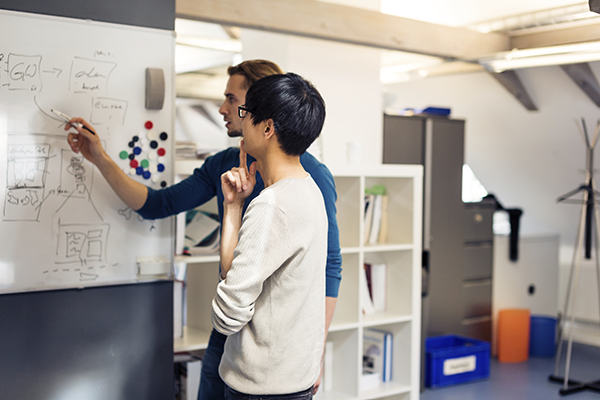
{"x":212,"y":386}
{"x":231,"y":394}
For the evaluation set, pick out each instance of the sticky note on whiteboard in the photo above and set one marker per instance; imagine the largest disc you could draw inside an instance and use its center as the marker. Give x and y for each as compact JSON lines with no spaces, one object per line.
{"x":153,"y":266}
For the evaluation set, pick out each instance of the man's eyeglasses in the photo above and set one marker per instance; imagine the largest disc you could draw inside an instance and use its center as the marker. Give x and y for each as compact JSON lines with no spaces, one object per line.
{"x":243,"y":111}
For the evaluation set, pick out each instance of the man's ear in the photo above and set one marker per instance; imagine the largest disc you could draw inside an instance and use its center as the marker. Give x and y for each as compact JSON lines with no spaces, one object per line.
{"x":269,"y":128}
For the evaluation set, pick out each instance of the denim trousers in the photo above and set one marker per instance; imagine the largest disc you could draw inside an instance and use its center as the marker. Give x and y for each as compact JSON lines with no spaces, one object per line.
{"x":231,"y":394}
{"x":212,"y":386}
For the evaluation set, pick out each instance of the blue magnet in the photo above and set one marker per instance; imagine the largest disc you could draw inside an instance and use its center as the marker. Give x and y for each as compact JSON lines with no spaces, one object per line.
{"x":137,"y":150}
{"x":139,"y":170}
{"x":160,"y":167}
{"x":146,"y":174}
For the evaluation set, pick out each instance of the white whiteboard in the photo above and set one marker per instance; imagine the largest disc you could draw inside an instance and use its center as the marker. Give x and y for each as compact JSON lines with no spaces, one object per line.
{"x":61,"y":225}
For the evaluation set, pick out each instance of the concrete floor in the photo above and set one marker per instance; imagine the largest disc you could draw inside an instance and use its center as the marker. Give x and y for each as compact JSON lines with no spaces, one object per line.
{"x":527,"y":381}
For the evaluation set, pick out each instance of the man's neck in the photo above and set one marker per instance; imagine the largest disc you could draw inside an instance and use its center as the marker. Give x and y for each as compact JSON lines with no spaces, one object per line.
{"x":276,"y":166}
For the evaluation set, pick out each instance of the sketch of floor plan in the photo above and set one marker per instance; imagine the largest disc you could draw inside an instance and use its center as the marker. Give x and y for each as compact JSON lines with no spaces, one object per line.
{"x":25,"y":177}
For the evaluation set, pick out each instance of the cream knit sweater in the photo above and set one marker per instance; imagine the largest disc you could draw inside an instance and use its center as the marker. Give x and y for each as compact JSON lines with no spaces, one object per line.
{"x":272,"y":303}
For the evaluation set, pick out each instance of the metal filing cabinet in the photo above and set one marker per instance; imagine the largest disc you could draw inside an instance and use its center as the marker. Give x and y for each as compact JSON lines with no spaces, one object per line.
{"x":478,"y":267}
{"x":437,"y":143}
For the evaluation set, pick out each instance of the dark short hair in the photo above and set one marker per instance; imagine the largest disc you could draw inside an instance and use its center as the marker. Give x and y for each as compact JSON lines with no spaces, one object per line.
{"x":253,"y":70}
{"x":295,"y":106}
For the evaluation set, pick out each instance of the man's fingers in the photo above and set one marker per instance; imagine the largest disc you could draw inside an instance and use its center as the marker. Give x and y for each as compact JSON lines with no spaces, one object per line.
{"x":243,"y":162}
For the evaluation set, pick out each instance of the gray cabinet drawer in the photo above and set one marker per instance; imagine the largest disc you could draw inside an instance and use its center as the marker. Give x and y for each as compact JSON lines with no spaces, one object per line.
{"x":478,"y":328}
{"x":477,"y":299}
{"x":478,"y":261}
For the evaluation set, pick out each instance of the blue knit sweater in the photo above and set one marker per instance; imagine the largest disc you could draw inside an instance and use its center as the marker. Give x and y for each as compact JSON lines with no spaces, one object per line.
{"x":205,"y":183}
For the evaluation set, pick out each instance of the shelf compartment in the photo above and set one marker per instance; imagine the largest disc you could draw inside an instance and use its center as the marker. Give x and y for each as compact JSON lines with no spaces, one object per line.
{"x":349,"y":201}
{"x":401,"y":361}
{"x":201,"y":286}
{"x":347,"y":307}
{"x":192,"y":340}
{"x":400,"y":192}
{"x":399,"y":283}
{"x":346,"y":360}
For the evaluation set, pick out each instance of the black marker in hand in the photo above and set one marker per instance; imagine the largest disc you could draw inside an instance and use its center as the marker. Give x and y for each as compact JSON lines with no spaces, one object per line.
{"x":67,"y":119}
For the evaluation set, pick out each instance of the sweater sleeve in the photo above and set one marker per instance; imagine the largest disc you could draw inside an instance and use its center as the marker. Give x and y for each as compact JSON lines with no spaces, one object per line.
{"x":324,"y":180}
{"x":255,"y":260}
{"x":193,"y":191}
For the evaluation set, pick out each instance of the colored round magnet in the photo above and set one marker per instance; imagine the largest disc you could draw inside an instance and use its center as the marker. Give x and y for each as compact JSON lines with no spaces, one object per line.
{"x":148,"y":125}
{"x":133,"y":164}
{"x":161,"y":152}
{"x":137,"y":150}
{"x":139,"y":170}
{"x":123,"y":155}
{"x":131,"y":156}
{"x":135,"y":138}
{"x":164,"y":136}
{"x":131,"y":144}
{"x":154,"y":144}
{"x":146,"y":174}
{"x":163,"y":184}
{"x":160,"y":167}
{"x":145,"y":163}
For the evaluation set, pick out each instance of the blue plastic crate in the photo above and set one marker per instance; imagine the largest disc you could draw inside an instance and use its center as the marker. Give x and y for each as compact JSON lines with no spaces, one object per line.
{"x":453,"y":359}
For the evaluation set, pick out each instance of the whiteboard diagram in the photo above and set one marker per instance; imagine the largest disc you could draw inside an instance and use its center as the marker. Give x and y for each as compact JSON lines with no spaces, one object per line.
{"x":61,"y":224}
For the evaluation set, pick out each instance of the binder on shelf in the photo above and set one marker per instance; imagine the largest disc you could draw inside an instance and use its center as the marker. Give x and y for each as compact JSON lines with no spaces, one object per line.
{"x":376,"y":223}
{"x":376,"y":279}
{"x":366,"y":301}
{"x":376,"y":215}
{"x":379,"y":286}
{"x":377,"y":353}
{"x":383,"y":229}
{"x":369,"y":204}
{"x":202,"y":232}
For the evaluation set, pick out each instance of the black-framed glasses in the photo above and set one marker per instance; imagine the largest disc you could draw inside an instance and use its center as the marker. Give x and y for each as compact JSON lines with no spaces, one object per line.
{"x":243,"y":111}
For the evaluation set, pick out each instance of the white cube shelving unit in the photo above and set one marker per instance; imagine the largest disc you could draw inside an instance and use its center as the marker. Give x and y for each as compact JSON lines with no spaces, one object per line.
{"x":401,"y":253}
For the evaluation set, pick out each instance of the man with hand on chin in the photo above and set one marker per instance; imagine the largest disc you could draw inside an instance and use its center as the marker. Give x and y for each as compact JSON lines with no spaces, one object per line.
{"x":271,"y":300}
{"x":203,"y":185}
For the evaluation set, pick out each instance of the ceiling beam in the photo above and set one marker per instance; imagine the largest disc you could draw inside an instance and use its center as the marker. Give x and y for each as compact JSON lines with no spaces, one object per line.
{"x":321,"y":20}
{"x":578,"y":33}
{"x":510,"y":80}
{"x":583,"y":76}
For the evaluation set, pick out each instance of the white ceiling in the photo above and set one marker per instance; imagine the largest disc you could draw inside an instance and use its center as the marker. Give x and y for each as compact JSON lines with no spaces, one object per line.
{"x":467,"y":12}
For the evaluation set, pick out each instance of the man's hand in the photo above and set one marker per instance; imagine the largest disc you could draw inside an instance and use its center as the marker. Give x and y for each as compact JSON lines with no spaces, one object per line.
{"x":85,"y":142}
{"x":238,"y":183}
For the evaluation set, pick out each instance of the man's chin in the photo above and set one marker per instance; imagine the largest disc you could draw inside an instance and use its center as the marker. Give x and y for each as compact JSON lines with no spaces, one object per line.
{"x":234,"y":133}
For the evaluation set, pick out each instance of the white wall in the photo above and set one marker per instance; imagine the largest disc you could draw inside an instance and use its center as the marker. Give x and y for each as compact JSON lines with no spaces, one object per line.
{"x":347,"y":76}
{"x":527,"y":159}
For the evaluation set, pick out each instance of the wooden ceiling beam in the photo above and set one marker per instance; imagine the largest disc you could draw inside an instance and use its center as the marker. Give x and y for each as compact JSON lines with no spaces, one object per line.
{"x":589,"y":32}
{"x":321,"y":20}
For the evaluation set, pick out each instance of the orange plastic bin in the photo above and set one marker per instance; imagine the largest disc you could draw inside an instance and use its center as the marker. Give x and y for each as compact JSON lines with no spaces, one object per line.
{"x":513,"y":335}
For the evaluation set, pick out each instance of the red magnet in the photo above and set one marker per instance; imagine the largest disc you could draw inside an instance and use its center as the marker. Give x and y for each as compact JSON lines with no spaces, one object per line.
{"x":148,"y":125}
{"x":161,"y":152}
{"x":133,"y":163}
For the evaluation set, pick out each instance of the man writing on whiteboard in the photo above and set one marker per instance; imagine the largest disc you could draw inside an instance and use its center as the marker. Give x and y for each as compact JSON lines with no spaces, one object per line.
{"x":204,"y":184}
